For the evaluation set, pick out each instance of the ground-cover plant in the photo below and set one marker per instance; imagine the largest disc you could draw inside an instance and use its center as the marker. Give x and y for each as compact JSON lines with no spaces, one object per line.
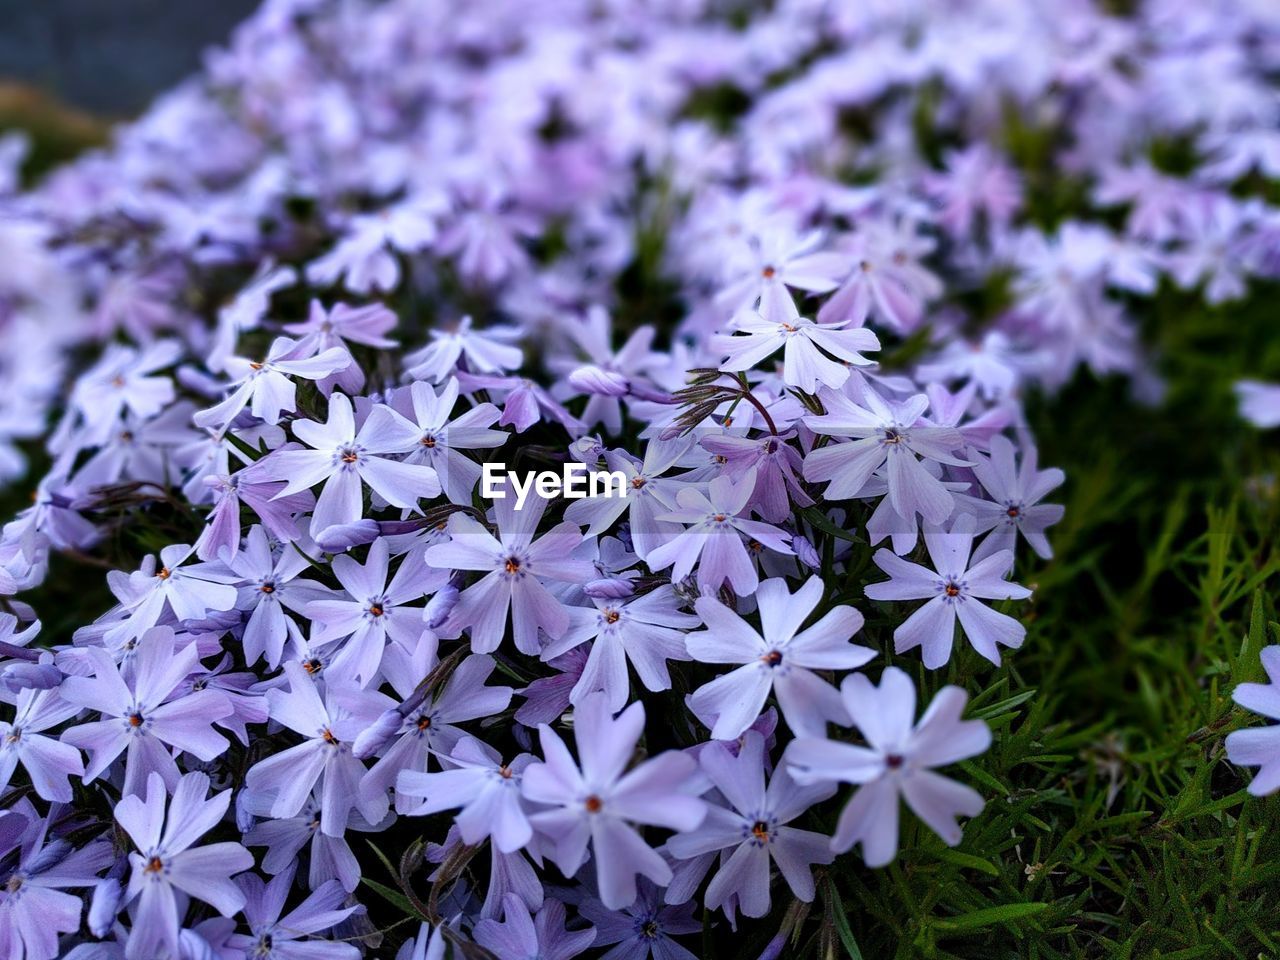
{"x":920,"y":343}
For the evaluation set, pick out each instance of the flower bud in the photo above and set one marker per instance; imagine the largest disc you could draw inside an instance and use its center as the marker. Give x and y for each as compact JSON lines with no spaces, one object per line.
{"x":104,"y":905}
{"x":609,"y":588}
{"x":17,"y":676}
{"x":643,"y":391}
{"x":377,"y":735}
{"x":440,"y":606}
{"x":595,"y":380}
{"x":806,"y":552}
{"x":341,"y":537}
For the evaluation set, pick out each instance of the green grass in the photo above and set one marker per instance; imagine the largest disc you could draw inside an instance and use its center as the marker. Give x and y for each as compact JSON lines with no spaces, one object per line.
{"x":1114,"y":827}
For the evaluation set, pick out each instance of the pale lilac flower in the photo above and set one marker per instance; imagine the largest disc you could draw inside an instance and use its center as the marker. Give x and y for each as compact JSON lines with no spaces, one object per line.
{"x":47,"y":761}
{"x":546,"y":698}
{"x":597,"y":803}
{"x":248,"y":307}
{"x":141,"y":714}
{"x":540,"y":937}
{"x":330,"y":858}
{"x":440,"y":437}
{"x":643,"y":928}
{"x":365,"y":257}
{"x":609,"y":373}
{"x":808,"y":347}
{"x":487,"y":790}
{"x":427,"y":944}
{"x":649,"y":495}
{"x":329,"y":726}
{"x":292,"y":936}
{"x":977,"y":186}
{"x":714,"y":539}
{"x":896,"y":762}
{"x":780,"y":659}
{"x":270,"y":586}
{"x":884,"y":431}
{"x":781,"y":260}
{"x":374,"y":611}
{"x":344,"y":460}
{"x":526,"y":402}
{"x":266,"y":387}
{"x":1015,"y":491}
{"x":776,"y":463}
{"x":432,"y":727}
{"x":487,"y":351}
{"x":753,"y":825}
{"x":190,"y":591}
{"x":1259,"y":403}
{"x":515,"y":567}
{"x":888,"y":281}
{"x":1260,"y":747}
{"x":648,"y":630}
{"x":34,"y":910}
{"x":955,"y":588}
{"x":167,"y":862}
{"x":125,"y":379}
{"x":324,"y":330}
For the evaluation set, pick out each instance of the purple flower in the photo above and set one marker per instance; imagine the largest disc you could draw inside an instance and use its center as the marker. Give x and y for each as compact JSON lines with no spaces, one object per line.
{"x":324,"y":330}
{"x":776,"y":463}
{"x":1015,"y":491}
{"x":522,"y":937}
{"x":484,"y":352}
{"x":331,"y":858}
{"x":597,"y":803}
{"x":487,"y":790}
{"x":440,"y":438}
{"x":781,"y":658}
{"x":515,"y":566}
{"x":643,"y":928}
{"x":141,"y":714}
{"x":376,"y":611}
{"x":431,"y":727}
{"x":292,"y":937}
{"x":649,"y":496}
{"x":955,"y":589}
{"x":329,"y":726}
{"x":271,"y":587}
{"x":167,"y":862}
{"x":190,"y":592}
{"x":345,"y":460}
{"x":753,"y":825}
{"x":266,"y":387}
{"x":884,"y":432}
{"x":808,"y":347}
{"x":47,"y":761}
{"x":1260,"y":747}
{"x":33,"y":909}
{"x":714,"y":539}
{"x":896,"y":762}
{"x":648,"y":630}
{"x":1259,"y":403}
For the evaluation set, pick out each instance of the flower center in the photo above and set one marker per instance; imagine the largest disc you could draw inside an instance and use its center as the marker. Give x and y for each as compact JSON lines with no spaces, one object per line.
{"x":894,"y":761}
{"x":512,"y":565}
{"x":892,"y":435}
{"x":268,"y":587}
{"x":773,"y":658}
{"x":424,"y":723}
{"x":720,"y":517}
{"x":312,"y":666}
{"x":638,"y":482}
{"x":164,"y":573}
{"x":154,"y":865}
{"x":14,"y":735}
{"x":136,"y":719}
{"x":14,"y":883}
{"x":1013,"y":512}
{"x":649,"y":929}
{"x":611,"y":616}
{"x":951,"y":589}
{"x":376,"y":609}
{"x":593,"y":804}
{"x":760,"y":830}
{"x":327,"y":736}
{"x":505,"y":773}
{"x":429,"y":442}
{"x":768,"y":273}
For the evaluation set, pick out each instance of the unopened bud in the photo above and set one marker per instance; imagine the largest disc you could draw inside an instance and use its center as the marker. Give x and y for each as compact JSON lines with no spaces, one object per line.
{"x":440,"y":606}
{"x":341,"y":537}
{"x":609,"y":588}
{"x":806,"y":552}
{"x":377,"y":735}
{"x":104,"y":906}
{"x":597,"y":381}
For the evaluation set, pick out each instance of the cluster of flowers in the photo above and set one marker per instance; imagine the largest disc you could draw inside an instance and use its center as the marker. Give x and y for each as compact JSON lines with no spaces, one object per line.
{"x":687,"y":237}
